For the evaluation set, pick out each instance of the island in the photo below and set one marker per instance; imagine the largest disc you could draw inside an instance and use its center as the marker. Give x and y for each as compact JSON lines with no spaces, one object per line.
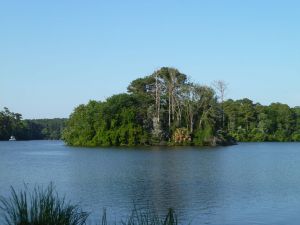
{"x":166,"y":108}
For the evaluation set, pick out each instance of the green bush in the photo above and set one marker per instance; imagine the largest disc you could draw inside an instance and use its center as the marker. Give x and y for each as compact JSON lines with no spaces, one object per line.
{"x":296,"y":136}
{"x":203,"y":137}
{"x":258,"y":135}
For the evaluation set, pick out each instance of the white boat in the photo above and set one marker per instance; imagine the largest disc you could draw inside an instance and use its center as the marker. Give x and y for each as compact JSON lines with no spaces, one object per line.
{"x":12,"y":138}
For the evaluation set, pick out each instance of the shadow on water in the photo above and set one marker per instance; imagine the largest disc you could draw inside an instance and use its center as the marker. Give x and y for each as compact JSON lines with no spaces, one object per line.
{"x":166,"y":178}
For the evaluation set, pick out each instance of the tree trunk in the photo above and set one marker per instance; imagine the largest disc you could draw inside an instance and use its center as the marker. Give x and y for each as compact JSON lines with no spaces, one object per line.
{"x":192,"y":124}
{"x":169,"y":111}
{"x":157,"y":98}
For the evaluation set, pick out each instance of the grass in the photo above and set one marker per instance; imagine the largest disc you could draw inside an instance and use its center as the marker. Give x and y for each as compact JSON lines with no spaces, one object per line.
{"x":43,"y":206}
{"x":146,"y":217}
{"x":40,"y":207}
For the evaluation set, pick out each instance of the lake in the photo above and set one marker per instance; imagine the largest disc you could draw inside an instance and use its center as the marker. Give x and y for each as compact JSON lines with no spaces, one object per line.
{"x":250,"y":183}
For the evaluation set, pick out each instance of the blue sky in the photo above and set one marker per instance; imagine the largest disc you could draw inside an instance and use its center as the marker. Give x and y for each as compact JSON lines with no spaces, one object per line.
{"x":55,"y":55}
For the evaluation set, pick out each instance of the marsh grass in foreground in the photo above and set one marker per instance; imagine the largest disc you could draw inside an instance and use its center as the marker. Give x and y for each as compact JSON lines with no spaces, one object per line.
{"x":39,"y":207}
{"x":146,"y":217}
{"x":44,"y":207}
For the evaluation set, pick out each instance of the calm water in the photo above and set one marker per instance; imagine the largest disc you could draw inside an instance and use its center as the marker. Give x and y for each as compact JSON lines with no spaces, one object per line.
{"x":243,"y":184}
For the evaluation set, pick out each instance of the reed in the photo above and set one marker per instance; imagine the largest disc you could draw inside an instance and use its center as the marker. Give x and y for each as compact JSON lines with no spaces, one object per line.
{"x":43,"y":206}
{"x":145,"y":217}
{"x":39,"y":207}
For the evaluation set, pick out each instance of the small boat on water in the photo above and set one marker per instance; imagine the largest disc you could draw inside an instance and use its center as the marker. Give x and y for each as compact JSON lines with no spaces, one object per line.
{"x":12,"y":138}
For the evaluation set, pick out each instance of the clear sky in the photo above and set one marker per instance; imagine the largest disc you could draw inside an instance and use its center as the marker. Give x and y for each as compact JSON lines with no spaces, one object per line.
{"x":57,"y":54}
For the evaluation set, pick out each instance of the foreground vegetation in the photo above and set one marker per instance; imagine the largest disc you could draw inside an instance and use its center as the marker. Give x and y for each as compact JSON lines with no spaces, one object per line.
{"x":45,"y":207}
{"x":166,"y":108}
{"x":40,"y":129}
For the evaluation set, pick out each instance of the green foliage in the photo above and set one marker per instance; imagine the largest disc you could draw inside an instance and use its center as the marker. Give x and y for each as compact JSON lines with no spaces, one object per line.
{"x":39,"y":207}
{"x":115,"y":122}
{"x":11,"y":124}
{"x":247,"y":121}
{"x":203,"y":137}
{"x":153,"y":111}
{"x":146,"y":217}
{"x":43,"y":206}
{"x":296,"y":136}
{"x":166,"y":108}
{"x":47,"y":129}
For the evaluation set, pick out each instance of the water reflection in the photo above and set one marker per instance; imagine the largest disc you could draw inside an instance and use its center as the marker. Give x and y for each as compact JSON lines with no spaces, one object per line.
{"x":244,"y":184}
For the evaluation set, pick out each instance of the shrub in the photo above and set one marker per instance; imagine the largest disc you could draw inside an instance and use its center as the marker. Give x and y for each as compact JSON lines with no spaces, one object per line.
{"x":181,"y":136}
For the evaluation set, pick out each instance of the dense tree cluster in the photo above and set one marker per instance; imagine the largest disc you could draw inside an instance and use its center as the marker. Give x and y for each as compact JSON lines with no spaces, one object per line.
{"x":163,"y":108}
{"x":247,"y":121}
{"x":159,"y":109}
{"x":11,"y":124}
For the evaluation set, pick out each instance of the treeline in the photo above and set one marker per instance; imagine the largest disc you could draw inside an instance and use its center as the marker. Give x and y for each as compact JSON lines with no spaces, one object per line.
{"x":12,"y":124}
{"x":248,"y":121}
{"x":162,"y":108}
